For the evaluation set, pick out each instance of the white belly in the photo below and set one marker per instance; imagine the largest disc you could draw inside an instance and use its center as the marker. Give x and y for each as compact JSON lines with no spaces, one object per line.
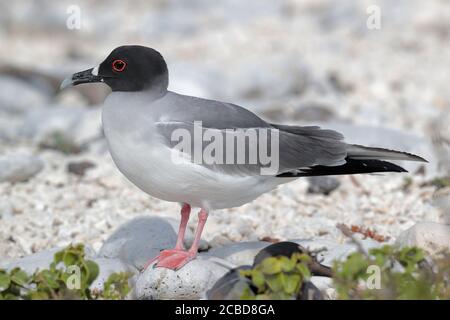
{"x":147,"y":163}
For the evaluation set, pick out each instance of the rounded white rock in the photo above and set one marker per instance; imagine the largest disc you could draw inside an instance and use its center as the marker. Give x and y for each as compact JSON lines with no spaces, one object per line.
{"x":190,"y":282}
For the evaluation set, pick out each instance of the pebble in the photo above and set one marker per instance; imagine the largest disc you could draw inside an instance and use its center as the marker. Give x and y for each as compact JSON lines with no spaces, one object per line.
{"x":241,"y":253}
{"x":432,"y":237}
{"x":322,"y":185}
{"x":190,"y":282}
{"x":18,"y":97}
{"x":19,"y":167}
{"x":79,"y":168}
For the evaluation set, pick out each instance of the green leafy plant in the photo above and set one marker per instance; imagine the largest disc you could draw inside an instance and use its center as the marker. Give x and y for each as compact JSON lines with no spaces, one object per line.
{"x":116,"y":287}
{"x":277,"y":277}
{"x":382,"y":273}
{"x":392,"y":273}
{"x":69,"y":276}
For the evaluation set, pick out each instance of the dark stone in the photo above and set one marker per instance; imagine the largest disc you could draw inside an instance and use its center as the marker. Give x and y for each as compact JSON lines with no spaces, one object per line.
{"x":79,"y":168}
{"x":230,"y":286}
{"x":322,"y":185}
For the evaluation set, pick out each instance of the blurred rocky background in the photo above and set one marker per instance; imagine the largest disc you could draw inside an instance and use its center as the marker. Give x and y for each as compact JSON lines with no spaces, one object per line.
{"x":292,"y":61}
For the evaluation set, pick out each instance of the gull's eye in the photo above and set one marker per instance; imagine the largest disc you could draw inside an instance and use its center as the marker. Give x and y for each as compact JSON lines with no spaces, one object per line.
{"x":119,"y":65}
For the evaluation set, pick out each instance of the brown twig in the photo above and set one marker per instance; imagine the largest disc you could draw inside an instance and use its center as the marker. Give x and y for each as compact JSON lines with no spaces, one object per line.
{"x":315,"y":266}
{"x":348,"y":233}
{"x":368,"y":233}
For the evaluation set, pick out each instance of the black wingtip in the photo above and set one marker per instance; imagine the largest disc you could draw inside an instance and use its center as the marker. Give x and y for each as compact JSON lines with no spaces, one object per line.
{"x":352,"y":166}
{"x":423,"y":159}
{"x":415,"y":157}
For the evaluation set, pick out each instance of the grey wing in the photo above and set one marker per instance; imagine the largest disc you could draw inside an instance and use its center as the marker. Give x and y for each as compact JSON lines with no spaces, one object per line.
{"x":213,"y":114}
{"x":276,"y":152}
{"x":293,"y":147}
{"x":302,"y":147}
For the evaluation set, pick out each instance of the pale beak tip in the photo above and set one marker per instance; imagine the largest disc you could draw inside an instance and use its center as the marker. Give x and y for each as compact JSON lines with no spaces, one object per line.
{"x":66,"y":83}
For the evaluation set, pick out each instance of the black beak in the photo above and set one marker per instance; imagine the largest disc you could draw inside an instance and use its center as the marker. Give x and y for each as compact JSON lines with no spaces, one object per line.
{"x":85,"y":76}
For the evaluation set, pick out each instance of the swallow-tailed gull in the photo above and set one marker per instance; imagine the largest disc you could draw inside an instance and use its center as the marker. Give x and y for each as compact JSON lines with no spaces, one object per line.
{"x":144,"y":124}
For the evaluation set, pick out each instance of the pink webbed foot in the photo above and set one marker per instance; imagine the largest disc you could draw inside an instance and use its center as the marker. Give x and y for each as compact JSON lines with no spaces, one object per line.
{"x":176,"y":258}
{"x":173,"y":259}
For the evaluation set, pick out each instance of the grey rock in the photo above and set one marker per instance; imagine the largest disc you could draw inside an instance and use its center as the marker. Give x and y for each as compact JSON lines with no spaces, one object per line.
{"x":323,"y":283}
{"x":432,"y":237}
{"x":322,"y":185}
{"x":38,"y":124}
{"x":79,"y":168}
{"x":190,"y":282}
{"x":241,"y":253}
{"x":219,"y":240}
{"x":41,"y":260}
{"x":77,"y":124}
{"x":139,"y":240}
{"x":9,"y":127}
{"x":17,"y":96}
{"x":341,"y":252}
{"x":328,"y":251}
{"x":18,"y":167}
{"x":189,"y":239}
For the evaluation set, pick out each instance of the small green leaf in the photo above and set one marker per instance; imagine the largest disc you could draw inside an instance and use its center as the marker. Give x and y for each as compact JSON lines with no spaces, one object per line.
{"x":38,"y":295}
{"x":93,"y":271}
{"x":290,"y":282}
{"x":19,"y":277}
{"x":50,"y":278}
{"x":271,"y":265}
{"x":70,"y":258}
{"x":274,"y":282}
{"x":287,"y":264}
{"x":58,"y":257}
{"x":5,"y":280}
{"x":258,"y":279}
{"x":247,"y":294}
{"x":304,"y":270}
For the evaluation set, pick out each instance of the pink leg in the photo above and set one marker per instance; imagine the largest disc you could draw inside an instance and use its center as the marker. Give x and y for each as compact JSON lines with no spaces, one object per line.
{"x":202,"y":217}
{"x":179,"y":246}
{"x":175,"y":259}
{"x":185,"y":213}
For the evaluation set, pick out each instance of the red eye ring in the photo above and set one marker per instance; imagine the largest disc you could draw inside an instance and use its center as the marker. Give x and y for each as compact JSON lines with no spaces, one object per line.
{"x":119,"y":65}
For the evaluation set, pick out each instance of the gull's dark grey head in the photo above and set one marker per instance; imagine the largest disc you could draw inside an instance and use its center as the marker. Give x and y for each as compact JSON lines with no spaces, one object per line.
{"x":127,"y":68}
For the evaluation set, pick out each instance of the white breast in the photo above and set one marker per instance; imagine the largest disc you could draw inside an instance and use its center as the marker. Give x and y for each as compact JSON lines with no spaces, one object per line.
{"x":139,"y":154}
